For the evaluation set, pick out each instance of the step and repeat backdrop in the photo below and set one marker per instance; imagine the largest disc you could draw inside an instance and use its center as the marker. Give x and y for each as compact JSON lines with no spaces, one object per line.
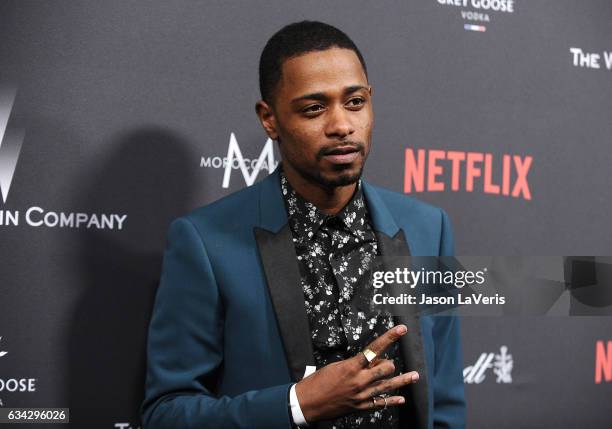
{"x":116,"y":117}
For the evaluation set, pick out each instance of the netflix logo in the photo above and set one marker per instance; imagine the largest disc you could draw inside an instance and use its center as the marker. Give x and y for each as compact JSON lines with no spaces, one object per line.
{"x":439,"y":170}
{"x":603,"y":362}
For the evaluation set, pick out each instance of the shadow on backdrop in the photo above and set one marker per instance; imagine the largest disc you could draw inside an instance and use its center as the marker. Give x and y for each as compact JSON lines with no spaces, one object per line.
{"x":149,"y":176}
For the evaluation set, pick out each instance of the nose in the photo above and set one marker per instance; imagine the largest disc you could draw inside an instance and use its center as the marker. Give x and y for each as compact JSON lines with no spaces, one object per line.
{"x":339,"y":124}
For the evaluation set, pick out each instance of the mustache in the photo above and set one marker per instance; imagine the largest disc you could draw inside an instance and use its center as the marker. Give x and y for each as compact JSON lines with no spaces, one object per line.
{"x":344,"y":147}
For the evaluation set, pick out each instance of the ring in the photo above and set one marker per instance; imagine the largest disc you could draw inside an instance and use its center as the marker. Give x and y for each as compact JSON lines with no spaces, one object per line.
{"x":369,"y":355}
{"x":379,"y":396}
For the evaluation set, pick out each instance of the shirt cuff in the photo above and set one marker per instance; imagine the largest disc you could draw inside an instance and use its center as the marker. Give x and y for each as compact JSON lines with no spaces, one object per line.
{"x":296,"y":411}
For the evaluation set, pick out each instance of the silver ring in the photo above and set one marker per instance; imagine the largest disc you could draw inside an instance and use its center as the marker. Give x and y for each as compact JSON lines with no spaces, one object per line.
{"x":379,"y":396}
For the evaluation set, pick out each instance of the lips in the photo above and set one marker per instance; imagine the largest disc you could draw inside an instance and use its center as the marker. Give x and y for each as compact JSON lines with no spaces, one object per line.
{"x":342,"y":155}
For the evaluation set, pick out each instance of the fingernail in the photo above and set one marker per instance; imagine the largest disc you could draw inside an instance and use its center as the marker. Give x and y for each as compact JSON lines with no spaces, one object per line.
{"x":401,"y":400}
{"x":401,"y":329}
{"x":415,"y":377}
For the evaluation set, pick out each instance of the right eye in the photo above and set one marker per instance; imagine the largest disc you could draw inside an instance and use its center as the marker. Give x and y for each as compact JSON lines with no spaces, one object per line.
{"x":313,"y":109}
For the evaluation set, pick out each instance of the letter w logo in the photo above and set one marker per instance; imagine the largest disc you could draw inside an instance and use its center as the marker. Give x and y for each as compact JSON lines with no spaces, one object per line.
{"x":10,"y":142}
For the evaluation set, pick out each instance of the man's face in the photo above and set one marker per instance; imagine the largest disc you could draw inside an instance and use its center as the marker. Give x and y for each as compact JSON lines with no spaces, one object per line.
{"x":322,"y":116}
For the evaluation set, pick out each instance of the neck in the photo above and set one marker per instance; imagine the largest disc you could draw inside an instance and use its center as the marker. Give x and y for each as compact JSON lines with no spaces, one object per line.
{"x":330,"y":200}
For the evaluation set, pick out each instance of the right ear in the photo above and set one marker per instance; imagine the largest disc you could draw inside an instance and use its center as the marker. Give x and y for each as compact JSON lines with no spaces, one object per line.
{"x":267,"y":118}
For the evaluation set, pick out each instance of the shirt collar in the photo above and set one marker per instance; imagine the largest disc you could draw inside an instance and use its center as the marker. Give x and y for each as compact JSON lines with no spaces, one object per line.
{"x":305,"y":218}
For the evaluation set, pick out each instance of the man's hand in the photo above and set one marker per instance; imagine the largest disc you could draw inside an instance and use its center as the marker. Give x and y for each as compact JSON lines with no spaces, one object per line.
{"x":347,"y":386}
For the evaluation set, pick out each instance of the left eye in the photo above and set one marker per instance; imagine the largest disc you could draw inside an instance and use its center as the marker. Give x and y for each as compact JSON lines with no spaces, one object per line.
{"x":355,"y":102}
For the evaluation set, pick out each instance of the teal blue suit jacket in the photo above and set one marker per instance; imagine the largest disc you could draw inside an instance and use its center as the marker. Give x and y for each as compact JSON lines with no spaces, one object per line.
{"x":229,"y":333}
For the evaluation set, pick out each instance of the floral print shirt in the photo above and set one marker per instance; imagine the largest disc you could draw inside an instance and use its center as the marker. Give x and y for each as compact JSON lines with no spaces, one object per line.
{"x":336,"y":255}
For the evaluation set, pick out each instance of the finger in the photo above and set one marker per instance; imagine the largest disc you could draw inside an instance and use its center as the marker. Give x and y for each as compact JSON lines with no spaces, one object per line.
{"x":376,"y":361}
{"x":382,"y":368}
{"x":385,"y":340}
{"x":383,"y":386}
{"x":392,"y":401}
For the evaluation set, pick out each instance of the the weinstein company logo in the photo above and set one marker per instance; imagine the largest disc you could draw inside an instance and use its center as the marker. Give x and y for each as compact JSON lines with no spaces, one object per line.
{"x":11,"y":140}
{"x":502,"y":364}
{"x":591,"y":60}
{"x":234,"y":160}
{"x":603,"y":362}
{"x":440,"y":170}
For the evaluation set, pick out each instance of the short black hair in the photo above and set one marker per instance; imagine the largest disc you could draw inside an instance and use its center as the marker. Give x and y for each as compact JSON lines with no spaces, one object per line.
{"x":294,"y":40}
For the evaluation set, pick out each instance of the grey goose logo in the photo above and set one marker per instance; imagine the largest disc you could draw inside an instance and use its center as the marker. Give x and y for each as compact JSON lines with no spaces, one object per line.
{"x":10,"y":141}
{"x":1,"y":352}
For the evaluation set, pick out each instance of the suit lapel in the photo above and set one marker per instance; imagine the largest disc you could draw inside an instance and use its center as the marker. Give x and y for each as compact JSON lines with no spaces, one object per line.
{"x":394,"y":252}
{"x":283,"y":277}
{"x":275,"y":244}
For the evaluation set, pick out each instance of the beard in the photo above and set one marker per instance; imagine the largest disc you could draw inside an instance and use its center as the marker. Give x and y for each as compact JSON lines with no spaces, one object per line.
{"x":344,"y":176}
{"x":340,"y":174}
{"x":343,"y":179}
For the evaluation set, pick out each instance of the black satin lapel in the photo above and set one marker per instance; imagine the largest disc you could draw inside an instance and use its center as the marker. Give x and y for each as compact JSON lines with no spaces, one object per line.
{"x":283,"y":278}
{"x":394,"y":252}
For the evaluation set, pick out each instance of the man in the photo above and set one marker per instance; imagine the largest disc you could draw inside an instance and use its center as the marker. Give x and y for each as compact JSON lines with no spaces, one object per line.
{"x":263,"y":286}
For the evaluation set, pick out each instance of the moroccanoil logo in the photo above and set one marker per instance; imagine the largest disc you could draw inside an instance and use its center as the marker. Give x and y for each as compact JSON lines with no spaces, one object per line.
{"x":249,"y":167}
{"x":428,"y":170}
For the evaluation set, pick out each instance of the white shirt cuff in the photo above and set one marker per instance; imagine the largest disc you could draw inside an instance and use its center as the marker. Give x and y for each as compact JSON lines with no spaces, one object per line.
{"x":296,"y":411}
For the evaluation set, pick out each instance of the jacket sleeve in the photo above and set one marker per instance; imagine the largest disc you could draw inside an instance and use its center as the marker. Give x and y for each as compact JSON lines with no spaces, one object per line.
{"x":185,"y":349}
{"x":449,"y":407}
